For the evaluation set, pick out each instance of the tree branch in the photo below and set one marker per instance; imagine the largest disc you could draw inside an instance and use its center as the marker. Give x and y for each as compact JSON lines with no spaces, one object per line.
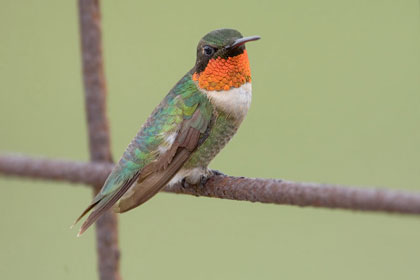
{"x":98,"y":129}
{"x":228,"y":187}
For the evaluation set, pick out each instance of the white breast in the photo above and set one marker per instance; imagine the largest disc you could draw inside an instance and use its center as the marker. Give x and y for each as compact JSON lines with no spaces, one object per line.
{"x":235,"y":101}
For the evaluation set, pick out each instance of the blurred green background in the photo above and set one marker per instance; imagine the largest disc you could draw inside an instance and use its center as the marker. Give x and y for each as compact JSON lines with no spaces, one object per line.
{"x":336,"y":99}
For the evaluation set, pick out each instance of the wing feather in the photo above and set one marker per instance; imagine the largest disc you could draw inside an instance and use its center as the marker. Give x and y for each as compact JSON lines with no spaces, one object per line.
{"x":147,"y":186}
{"x":145,"y":167}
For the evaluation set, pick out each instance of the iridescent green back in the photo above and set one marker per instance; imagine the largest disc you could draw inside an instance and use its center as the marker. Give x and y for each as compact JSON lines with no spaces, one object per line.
{"x":179,"y":105}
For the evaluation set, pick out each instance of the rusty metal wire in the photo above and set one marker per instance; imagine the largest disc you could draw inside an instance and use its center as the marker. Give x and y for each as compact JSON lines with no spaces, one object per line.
{"x":98,"y":129}
{"x":228,"y":187}
{"x":56,"y":170}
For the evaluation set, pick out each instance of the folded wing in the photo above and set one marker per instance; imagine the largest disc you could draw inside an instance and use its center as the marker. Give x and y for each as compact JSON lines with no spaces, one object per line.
{"x":173,"y":131}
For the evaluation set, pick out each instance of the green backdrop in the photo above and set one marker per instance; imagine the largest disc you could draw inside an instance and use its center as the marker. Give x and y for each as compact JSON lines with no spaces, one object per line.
{"x":336,"y":99}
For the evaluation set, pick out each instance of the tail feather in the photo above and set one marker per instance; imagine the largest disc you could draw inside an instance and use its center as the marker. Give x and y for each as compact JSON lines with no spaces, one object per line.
{"x":103,"y":204}
{"x":90,"y":207}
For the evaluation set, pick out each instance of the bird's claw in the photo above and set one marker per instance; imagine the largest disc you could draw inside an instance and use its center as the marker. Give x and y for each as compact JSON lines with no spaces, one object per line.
{"x":203,"y":181}
{"x":185,"y":184}
{"x":200,"y":184}
{"x":217,"y":173}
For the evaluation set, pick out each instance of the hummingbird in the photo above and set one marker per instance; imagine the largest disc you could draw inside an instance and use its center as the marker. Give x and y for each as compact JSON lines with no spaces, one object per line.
{"x":195,"y":120}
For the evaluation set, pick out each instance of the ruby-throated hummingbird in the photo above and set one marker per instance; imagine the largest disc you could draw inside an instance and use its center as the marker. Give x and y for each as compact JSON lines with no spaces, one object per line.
{"x":187,"y":129}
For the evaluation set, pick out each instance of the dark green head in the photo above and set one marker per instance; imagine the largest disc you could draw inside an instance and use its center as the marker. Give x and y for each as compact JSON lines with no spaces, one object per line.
{"x":222,"y":43}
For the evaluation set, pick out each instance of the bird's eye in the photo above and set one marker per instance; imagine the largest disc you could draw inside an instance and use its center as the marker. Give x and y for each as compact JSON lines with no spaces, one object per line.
{"x":209,"y":51}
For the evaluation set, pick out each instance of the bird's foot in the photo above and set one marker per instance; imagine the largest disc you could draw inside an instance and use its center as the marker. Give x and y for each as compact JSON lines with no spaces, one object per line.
{"x":204,"y":178}
{"x":185,"y":184}
{"x":216,"y":173}
{"x":194,"y":188}
{"x":203,"y":181}
{"x":199,"y":181}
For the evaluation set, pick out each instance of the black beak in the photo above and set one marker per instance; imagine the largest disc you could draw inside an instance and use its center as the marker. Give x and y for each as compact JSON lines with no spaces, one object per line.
{"x":241,"y":41}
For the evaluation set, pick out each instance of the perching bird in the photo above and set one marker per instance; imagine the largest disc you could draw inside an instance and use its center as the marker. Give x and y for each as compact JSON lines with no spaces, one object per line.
{"x":187,"y":129}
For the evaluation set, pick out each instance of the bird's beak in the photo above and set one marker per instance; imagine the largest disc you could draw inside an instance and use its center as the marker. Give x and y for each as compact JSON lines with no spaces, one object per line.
{"x":241,"y":41}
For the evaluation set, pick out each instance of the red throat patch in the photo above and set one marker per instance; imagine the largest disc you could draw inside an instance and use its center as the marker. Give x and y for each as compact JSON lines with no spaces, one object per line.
{"x":223,"y":74}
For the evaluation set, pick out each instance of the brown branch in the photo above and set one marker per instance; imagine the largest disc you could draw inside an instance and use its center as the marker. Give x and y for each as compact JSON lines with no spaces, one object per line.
{"x":228,"y":187}
{"x":94,"y":81}
{"x":54,"y":169}
{"x":99,"y":138}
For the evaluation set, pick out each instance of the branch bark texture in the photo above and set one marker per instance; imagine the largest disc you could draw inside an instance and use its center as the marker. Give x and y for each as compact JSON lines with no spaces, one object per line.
{"x":228,"y":187}
{"x":98,"y":129}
